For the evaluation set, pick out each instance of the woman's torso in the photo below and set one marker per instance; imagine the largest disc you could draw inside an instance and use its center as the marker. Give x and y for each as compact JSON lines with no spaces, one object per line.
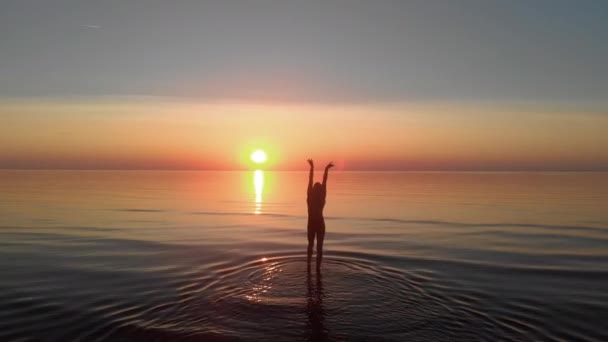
{"x":315,"y":208}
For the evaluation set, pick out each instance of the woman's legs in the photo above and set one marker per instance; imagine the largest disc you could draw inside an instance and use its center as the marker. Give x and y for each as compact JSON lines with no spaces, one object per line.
{"x":318,"y":229}
{"x":311,"y":240}
{"x":320,"y":238}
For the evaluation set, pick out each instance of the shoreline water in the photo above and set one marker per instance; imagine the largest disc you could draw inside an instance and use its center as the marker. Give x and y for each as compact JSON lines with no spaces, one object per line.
{"x":203,"y":256}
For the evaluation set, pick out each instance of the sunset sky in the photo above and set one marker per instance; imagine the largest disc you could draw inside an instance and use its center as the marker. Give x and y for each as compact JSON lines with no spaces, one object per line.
{"x":371,"y":85}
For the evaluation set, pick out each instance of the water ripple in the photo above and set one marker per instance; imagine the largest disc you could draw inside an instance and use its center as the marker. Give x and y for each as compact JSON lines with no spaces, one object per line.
{"x":353,"y":298}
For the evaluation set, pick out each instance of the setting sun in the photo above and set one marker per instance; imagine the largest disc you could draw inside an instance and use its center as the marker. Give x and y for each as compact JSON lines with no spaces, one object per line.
{"x":258,"y":157}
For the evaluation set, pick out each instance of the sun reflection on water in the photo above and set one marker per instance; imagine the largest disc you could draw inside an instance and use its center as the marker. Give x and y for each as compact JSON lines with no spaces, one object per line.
{"x":258,"y":182}
{"x":263,"y":281}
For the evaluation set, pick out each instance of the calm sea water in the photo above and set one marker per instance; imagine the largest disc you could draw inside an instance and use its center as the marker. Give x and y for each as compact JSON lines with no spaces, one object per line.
{"x":220,"y":256}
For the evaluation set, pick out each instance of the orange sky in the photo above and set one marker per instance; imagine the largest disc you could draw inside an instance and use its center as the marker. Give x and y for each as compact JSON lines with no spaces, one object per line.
{"x":161,"y":133}
{"x":395,"y":85}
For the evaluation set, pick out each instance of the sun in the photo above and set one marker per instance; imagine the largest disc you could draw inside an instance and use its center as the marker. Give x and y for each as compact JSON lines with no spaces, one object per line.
{"x":258,"y":156}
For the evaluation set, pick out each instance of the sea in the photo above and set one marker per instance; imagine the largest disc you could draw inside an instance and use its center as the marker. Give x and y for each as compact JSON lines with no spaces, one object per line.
{"x":221,"y":256}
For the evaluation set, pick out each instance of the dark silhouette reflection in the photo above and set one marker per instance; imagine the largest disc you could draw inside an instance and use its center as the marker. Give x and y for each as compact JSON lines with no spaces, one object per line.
{"x":314,"y":307}
{"x":315,"y":199}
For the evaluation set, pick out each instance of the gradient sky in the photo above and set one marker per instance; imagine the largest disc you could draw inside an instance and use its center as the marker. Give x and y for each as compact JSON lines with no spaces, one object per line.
{"x":387,"y":85}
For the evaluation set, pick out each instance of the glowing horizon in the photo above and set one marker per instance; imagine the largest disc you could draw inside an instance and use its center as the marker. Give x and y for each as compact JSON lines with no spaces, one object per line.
{"x":156,"y":134}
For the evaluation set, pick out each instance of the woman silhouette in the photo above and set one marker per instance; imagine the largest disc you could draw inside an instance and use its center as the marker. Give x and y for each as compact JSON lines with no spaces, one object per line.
{"x":315,"y":198}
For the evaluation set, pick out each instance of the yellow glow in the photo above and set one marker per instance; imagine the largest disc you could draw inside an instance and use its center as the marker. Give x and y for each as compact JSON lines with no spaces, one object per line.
{"x":88,"y":134}
{"x":258,"y":182}
{"x":258,"y":156}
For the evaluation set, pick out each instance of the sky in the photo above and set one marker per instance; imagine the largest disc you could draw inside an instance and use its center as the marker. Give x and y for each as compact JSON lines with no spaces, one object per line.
{"x":371,"y":85}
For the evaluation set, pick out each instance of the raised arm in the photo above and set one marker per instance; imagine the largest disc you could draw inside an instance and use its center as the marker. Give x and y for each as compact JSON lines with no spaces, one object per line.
{"x":310,"y":176}
{"x":329,"y":166}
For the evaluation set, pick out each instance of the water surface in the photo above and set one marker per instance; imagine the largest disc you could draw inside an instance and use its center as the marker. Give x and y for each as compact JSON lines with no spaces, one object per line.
{"x":220,"y":256}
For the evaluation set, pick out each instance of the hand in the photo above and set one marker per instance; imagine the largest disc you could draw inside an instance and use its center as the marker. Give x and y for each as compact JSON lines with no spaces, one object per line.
{"x":330,"y":165}
{"x":310,"y":162}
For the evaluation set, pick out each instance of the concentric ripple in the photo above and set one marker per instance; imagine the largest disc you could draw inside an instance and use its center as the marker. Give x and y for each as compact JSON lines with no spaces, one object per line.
{"x":355,"y":297}
{"x":358,"y":299}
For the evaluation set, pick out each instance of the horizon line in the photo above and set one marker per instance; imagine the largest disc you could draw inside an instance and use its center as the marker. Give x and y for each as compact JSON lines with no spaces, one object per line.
{"x":304,"y":170}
